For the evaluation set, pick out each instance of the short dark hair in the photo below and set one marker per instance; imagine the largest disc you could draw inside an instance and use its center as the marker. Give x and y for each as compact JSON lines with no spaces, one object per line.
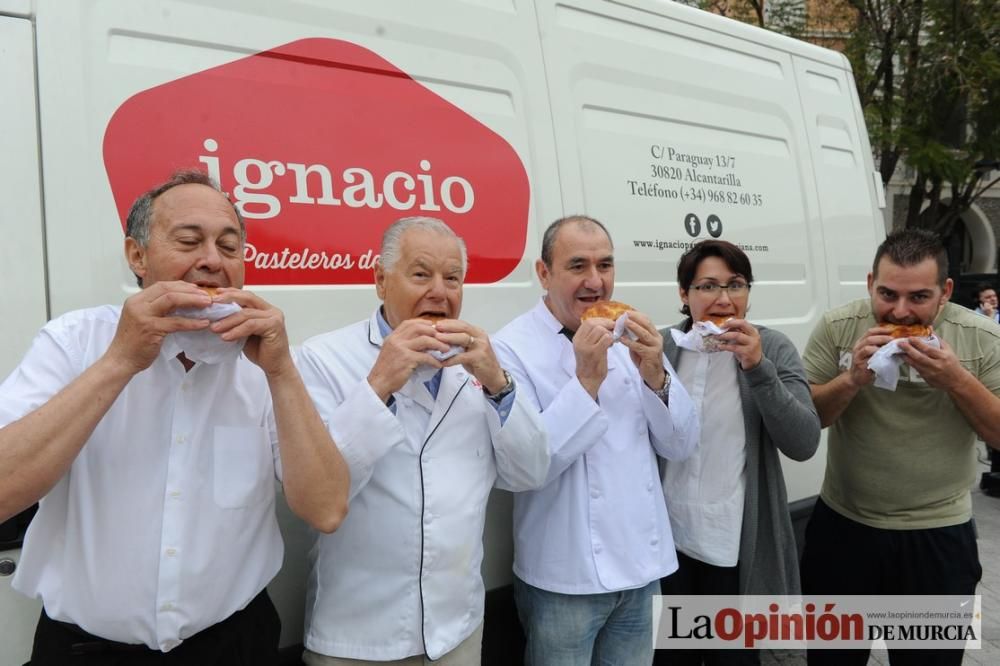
{"x":735,"y":259}
{"x":909,"y":247}
{"x":140,"y":215}
{"x":549,"y":238}
{"x":981,"y":287}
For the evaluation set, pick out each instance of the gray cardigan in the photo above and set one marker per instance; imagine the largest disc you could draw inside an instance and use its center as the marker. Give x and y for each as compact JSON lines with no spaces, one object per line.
{"x":778,"y":415}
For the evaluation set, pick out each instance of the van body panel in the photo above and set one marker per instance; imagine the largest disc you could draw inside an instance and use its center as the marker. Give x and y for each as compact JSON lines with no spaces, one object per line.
{"x":21,"y":8}
{"x":668,"y":124}
{"x":842,"y":172}
{"x":669,"y":163}
{"x":737,"y":111}
{"x":498,"y":81}
{"x":22,"y":267}
{"x":22,"y":255}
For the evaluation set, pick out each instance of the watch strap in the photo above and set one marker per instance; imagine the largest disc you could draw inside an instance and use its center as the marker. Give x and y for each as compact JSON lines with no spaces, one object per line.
{"x":507,"y":389}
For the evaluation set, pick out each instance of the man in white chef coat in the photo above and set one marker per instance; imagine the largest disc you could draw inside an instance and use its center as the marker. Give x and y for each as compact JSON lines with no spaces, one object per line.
{"x":152,"y":441}
{"x":425,"y":440}
{"x":592,"y":543}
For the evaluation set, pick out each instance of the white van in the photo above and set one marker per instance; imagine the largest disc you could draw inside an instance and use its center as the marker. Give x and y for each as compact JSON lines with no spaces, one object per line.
{"x":328,"y":120}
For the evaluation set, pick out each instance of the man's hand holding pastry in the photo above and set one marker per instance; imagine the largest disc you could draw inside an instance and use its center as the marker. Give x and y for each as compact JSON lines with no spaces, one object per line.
{"x":940,"y":368}
{"x":590,"y":345}
{"x":646,"y":350}
{"x":262,"y":324}
{"x":146,"y":320}
{"x":863,"y":350}
{"x":477,"y":358}
{"x":403,"y":351}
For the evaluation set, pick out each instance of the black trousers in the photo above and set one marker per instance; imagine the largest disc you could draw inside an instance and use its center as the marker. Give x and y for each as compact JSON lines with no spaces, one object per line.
{"x":694,"y":577}
{"x":845,"y":557}
{"x":248,"y":637}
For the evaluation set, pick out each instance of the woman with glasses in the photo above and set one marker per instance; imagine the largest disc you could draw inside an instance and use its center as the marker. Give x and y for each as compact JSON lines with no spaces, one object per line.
{"x":727,"y":503}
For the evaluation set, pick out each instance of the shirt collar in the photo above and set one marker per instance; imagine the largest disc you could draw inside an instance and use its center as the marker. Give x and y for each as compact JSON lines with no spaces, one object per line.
{"x":383,"y":325}
{"x":548,"y":320}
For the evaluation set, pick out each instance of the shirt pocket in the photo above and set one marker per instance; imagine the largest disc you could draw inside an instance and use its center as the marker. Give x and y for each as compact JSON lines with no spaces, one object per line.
{"x":243,"y":466}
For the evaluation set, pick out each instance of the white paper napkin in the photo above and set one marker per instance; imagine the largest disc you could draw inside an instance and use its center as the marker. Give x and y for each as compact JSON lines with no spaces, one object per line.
{"x":620,"y":329}
{"x":445,"y":355}
{"x":423,"y":373}
{"x":204,"y":346}
{"x":886,"y":361}
{"x":701,"y":338}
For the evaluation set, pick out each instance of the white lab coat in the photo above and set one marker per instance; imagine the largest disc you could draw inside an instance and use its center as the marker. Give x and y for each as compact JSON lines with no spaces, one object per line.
{"x":401,"y":576}
{"x":600,"y":522}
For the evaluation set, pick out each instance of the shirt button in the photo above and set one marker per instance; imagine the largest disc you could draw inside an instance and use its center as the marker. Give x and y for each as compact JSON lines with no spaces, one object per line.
{"x":185,"y":387}
{"x":171,"y":551}
{"x":594,"y":494}
{"x":180,"y":439}
{"x":167,"y":607}
{"x":175,"y":494}
{"x":597,"y":548}
{"x":654,"y":541}
{"x":170,"y":645}
{"x":649,"y":486}
{"x":628,"y":382}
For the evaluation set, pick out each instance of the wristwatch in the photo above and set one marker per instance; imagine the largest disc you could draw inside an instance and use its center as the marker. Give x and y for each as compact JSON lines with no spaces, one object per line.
{"x":663,"y":393}
{"x":507,"y":389}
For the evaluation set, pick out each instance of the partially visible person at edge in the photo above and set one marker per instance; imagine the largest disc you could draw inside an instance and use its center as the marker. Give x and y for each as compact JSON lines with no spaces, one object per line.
{"x":425,"y":439}
{"x":156,"y":534}
{"x":728,"y":508}
{"x":895,"y":514}
{"x":986,"y":298}
{"x":591,"y":545}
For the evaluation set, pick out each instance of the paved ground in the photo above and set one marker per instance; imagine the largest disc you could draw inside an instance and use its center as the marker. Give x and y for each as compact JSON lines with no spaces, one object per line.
{"x":987,"y":515}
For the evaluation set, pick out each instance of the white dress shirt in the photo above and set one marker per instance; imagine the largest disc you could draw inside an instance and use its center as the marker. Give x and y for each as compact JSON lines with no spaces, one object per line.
{"x":401,"y":576}
{"x":164,"y":524}
{"x":600,"y":522}
{"x":705,"y":492}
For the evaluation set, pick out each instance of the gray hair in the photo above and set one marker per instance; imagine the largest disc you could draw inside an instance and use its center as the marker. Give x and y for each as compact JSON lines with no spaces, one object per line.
{"x":549,"y":238}
{"x":393,"y":236}
{"x":140,"y":215}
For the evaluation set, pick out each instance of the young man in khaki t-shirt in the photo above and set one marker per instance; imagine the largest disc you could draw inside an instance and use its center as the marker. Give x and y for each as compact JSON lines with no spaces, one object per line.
{"x":894,"y":514}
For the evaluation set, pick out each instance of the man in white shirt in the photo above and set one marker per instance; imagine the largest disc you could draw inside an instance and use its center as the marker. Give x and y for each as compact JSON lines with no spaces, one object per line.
{"x":425,"y":438}
{"x":593,"y":542}
{"x":986,"y":297}
{"x":156,"y":534}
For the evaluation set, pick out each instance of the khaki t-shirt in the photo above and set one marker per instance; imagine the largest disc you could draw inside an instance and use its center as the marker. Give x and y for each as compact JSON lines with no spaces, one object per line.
{"x":902,"y":459}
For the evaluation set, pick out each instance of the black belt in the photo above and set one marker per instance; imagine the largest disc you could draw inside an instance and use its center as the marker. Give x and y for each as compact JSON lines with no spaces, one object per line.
{"x":91,"y":644}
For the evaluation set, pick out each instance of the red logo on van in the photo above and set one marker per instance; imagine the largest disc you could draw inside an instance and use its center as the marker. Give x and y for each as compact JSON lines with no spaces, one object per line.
{"x":323,"y":144}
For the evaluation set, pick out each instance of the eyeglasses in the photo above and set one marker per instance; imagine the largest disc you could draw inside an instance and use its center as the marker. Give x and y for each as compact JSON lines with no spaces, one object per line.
{"x":735,"y":288}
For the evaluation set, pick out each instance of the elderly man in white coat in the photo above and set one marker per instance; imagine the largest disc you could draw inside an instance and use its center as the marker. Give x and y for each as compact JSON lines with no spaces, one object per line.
{"x":425,"y":436}
{"x":592,"y":543}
